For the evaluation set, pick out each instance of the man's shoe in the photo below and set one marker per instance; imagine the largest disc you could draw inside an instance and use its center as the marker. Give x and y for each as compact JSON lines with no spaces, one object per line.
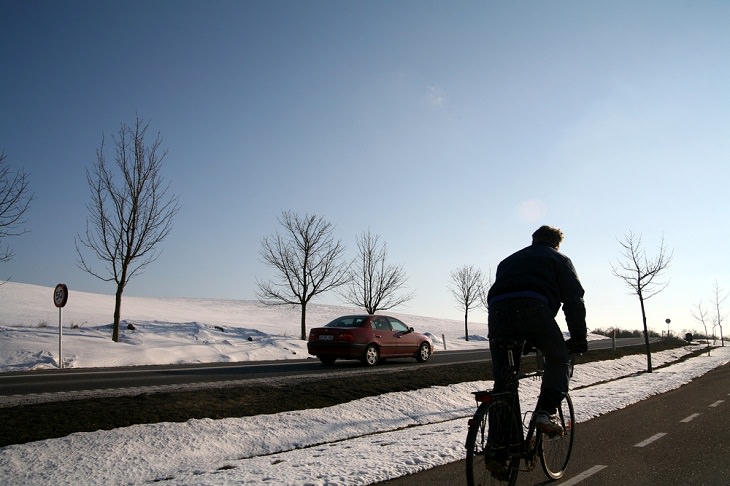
{"x":548,"y":424}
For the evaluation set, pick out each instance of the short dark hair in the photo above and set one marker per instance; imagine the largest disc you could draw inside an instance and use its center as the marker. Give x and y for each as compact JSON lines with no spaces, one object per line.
{"x":547,"y":235}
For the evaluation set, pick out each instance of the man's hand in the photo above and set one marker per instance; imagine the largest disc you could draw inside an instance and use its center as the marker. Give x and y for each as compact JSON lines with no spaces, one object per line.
{"x":577,"y":346}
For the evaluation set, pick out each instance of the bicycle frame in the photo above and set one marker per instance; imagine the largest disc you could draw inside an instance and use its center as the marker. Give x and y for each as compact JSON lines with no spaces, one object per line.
{"x":529,"y":441}
{"x":523,"y":450}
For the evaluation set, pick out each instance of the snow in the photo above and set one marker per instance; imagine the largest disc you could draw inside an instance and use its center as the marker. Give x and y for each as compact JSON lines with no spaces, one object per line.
{"x":356,"y":443}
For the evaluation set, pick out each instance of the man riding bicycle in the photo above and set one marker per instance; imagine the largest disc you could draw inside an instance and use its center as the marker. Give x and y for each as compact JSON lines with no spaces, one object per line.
{"x":529,"y":288}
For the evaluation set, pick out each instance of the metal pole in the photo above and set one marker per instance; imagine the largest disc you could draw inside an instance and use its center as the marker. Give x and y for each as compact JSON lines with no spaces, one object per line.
{"x":60,"y":296}
{"x":60,"y":346}
{"x":613,"y":340}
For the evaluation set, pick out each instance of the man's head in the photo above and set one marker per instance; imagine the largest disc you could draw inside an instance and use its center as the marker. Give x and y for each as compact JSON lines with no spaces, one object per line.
{"x":547,"y":235}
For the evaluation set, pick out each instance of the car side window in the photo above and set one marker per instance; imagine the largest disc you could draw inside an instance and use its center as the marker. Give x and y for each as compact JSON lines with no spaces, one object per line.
{"x":398,"y":325}
{"x":381,"y":324}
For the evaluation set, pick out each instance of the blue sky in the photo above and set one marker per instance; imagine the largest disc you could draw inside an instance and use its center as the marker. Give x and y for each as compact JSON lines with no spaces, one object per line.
{"x":450,"y":129}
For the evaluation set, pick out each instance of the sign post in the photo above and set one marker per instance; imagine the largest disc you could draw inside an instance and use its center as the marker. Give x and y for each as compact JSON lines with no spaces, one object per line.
{"x":60,"y":297}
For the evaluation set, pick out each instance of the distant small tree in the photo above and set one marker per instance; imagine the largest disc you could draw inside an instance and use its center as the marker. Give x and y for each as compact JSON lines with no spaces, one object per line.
{"x":130,"y":212}
{"x":718,"y":316}
{"x":467,"y":288}
{"x":15,"y":200}
{"x":701,"y":316}
{"x":372,"y":283}
{"x":641,"y":274}
{"x":307,"y":260}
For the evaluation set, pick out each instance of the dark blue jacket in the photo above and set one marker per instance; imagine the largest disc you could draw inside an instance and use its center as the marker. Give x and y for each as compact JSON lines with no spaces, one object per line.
{"x":542,"y":269}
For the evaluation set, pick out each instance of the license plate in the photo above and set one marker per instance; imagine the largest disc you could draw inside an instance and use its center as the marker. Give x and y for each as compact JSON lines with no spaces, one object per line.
{"x":326,"y":337}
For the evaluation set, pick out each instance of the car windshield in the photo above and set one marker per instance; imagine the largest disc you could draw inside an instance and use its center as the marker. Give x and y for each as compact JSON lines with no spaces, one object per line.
{"x":347,"y":321}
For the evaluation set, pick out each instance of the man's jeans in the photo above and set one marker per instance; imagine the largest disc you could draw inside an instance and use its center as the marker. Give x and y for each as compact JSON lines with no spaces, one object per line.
{"x":530,"y":319}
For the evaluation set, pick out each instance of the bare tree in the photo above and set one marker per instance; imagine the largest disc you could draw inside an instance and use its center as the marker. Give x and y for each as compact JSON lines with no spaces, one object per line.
{"x":15,"y":200}
{"x":468,"y":289}
{"x":701,"y":316}
{"x":129,"y":212}
{"x":307,"y":260}
{"x":718,"y":317}
{"x":373,"y":284}
{"x":641,"y":275}
{"x":485,"y":291}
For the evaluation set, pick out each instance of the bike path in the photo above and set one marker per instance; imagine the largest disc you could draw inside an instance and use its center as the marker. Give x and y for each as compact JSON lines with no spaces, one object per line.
{"x":678,"y":437}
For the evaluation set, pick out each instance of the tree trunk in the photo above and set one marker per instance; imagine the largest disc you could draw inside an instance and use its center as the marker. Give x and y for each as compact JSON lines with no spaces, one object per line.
{"x":466,"y":327}
{"x":117,"y":312}
{"x":304,"y":321}
{"x":646,"y":337}
{"x":118,"y":300}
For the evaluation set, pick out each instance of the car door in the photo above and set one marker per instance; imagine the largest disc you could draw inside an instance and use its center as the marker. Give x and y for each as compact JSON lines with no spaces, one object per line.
{"x":384,"y":336}
{"x":406,"y":339}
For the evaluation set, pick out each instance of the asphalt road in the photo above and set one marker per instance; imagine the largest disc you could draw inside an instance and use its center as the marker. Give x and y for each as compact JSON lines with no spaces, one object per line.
{"x":678,"y":438}
{"x":89,"y":379}
{"x":79,"y":379}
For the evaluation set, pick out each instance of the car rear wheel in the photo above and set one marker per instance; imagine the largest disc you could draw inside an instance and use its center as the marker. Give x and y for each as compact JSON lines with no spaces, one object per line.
{"x":424,"y":352}
{"x":372,"y":355}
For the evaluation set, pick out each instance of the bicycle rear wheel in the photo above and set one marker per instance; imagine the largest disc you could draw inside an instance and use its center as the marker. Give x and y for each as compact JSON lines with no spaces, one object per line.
{"x":494,"y":444}
{"x":555,"y":449}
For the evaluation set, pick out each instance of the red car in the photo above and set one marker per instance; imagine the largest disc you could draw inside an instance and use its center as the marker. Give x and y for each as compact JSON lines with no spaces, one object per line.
{"x":368,"y":338}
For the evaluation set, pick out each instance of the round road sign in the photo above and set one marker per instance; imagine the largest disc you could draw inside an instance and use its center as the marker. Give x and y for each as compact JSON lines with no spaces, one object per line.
{"x":60,"y":295}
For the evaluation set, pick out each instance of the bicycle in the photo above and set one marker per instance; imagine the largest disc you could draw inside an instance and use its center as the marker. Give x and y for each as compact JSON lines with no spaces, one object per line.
{"x":500,"y":438}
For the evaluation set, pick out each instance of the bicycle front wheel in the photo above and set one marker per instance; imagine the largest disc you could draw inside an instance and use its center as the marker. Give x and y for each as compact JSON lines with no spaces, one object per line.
{"x":494,"y":445}
{"x":555,"y":449}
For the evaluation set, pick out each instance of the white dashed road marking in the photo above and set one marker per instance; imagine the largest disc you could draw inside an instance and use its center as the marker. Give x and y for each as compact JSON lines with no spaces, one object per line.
{"x":717,"y":403}
{"x":690,"y":418}
{"x":585,"y":474}
{"x":650,"y":439}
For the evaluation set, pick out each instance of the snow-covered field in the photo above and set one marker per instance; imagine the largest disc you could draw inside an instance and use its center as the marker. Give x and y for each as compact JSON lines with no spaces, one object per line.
{"x":172,"y":331}
{"x":356,"y":443}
